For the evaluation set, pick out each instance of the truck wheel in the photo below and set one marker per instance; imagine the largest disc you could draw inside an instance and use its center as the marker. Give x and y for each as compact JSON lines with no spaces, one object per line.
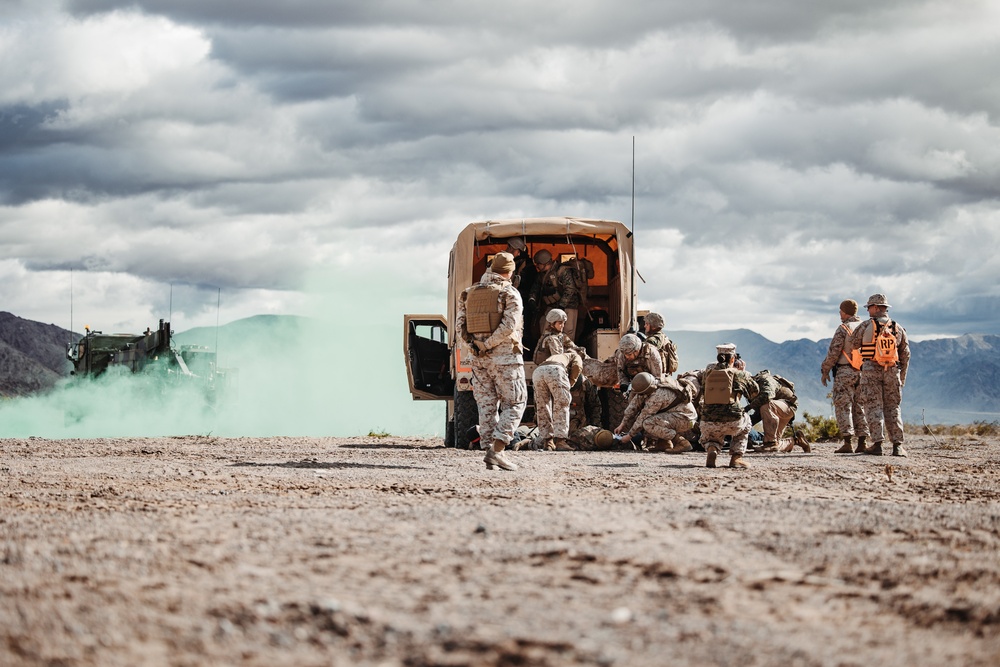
{"x":466,"y":416}
{"x":615,"y":407}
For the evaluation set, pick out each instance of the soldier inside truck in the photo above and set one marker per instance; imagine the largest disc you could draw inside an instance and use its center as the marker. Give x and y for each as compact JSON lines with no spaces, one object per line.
{"x":600,"y":282}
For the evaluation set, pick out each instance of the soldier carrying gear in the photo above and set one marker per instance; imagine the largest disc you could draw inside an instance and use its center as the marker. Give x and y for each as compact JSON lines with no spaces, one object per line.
{"x":635,"y":356}
{"x":653,"y":324}
{"x":554,"y":340}
{"x":720,"y":418}
{"x":886,"y":353}
{"x":844,"y":362}
{"x":559,"y":286}
{"x":662,"y":409}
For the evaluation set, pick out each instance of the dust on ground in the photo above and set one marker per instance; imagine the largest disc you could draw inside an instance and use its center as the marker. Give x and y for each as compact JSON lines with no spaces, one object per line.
{"x":398,"y":551}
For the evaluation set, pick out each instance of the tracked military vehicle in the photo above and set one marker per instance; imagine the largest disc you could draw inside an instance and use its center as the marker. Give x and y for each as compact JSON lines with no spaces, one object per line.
{"x":436,"y":358}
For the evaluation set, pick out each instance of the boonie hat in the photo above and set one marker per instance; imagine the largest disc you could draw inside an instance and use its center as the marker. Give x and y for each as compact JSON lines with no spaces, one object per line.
{"x":877,"y":300}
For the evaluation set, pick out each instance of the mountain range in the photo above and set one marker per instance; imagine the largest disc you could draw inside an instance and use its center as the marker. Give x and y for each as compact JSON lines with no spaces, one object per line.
{"x":951,"y":380}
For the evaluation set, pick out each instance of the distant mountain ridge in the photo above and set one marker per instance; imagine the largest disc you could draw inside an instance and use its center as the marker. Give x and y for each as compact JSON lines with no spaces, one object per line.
{"x":951,"y":380}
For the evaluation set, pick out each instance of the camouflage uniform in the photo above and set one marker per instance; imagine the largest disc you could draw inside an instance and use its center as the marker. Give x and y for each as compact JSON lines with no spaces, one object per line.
{"x":555,"y":342}
{"x":559,"y":287}
{"x":882,"y":388}
{"x":552,"y":381}
{"x":847,"y":403}
{"x":585,"y":407}
{"x":775,"y":412}
{"x":666,"y":347}
{"x":649,"y":361}
{"x":498,"y":373}
{"x":657,"y":414}
{"x":718,"y":421}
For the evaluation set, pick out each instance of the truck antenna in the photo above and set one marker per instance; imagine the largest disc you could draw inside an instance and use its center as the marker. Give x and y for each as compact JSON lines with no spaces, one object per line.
{"x":71,"y":306}
{"x":633,"y":324}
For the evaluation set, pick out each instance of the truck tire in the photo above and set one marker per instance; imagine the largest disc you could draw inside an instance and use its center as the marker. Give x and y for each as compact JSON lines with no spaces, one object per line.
{"x":466,"y":416}
{"x":614,"y":407}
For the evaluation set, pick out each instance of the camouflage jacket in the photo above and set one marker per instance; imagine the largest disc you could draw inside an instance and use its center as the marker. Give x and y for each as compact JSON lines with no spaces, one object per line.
{"x":649,"y":360}
{"x":642,"y":406}
{"x":743,"y":385}
{"x":839,"y":344}
{"x":503,"y":346}
{"x":561,"y":281}
{"x":668,"y":351}
{"x":569,"y":360}
{"x":555,"y":342}
{"x":585,"y":406}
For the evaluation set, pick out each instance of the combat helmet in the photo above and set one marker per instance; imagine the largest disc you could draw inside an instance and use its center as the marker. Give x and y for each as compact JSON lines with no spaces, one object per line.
{"x":654,"y":320}
{"x":556,"y":315}
{"x":629,"y":344}
{"x":643,"y":383}
{"x":877,"y":300}
{"x":542,"y":257}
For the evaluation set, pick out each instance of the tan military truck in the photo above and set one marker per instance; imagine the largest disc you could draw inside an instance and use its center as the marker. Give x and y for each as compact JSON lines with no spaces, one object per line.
{"x":436,"y":359}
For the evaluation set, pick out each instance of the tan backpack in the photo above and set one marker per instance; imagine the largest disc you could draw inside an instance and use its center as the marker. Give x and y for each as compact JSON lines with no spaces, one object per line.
{"x":483,"y":308}
{"x":719,"y":387}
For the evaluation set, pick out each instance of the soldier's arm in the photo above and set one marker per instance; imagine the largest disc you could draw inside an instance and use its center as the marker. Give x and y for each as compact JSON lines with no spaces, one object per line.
{"x":508,"y":323}
{"x":833,"y":354}
{"x":654,"y":361}
{"x":903,"y":350}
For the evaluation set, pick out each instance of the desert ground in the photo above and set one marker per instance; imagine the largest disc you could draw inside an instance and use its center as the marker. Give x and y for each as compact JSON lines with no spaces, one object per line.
{"x":398,"y":551}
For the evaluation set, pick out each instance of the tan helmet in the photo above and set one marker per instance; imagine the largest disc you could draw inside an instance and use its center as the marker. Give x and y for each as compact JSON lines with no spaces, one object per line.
{"x":604,"y":438}
{"x":654,"y":320}
{"x":556,"y":315}
{"x":629,"y":343}
{"x":542,"y":257}
{"x":643,"y":383}
{"x":877,"y":300}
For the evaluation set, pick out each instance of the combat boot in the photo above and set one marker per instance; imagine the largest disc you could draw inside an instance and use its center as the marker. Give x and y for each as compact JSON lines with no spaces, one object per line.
{"x":846,"y":448}
{"x":736,"y":461}
{"x":548,"y":445}
{"x":679,"y":446}
{"x":498,"y":458}
{"x":861,"y":445}
{"x":897,"y":449}
{"x":801,"y":441}
{"x":767,"y":447}
{"x":789,"y":447}
{"x":875,"y":449}
{"x":713,"y":453}
{"x":562,"y":446}
{"x":657,"y":444}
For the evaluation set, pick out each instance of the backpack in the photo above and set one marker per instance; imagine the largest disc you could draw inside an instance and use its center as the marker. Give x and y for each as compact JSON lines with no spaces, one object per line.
{"x":669,"y":353}
{"x":542,"y":352}
{"x":483,"y":310}
{"x":886,"y":354}
{"x":719,"y":387}
{"x":786,"y":390}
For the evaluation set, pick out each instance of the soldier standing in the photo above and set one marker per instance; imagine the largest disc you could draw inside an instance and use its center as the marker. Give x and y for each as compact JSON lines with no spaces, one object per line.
{"x":721,"y":415}
{"x":846,"y":368}
{"x":558,"y":286}
{"x":552,"y":381}
{"x":489,"y":320}
{"x":655,"y":336}
{"x":886,"y":354}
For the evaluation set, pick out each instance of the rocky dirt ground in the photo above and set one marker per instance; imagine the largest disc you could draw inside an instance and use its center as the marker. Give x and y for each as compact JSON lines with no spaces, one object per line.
{"x":397,"y":551}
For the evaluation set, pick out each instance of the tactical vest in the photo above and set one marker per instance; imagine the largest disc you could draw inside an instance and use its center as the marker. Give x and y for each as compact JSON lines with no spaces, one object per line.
{"x":853,"y":357}
{"x":719,"y":387}
{"x":542,"y":351}
{"x":483,"y":308}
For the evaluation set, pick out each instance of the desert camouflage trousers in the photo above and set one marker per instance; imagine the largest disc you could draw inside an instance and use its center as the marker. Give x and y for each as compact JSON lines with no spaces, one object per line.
{"x":552,"y":399}
{"x":774,"y":417}
{"x":666,"y":425}
{"x":881,"y":395}
{"x":501,"y":396}
{"x":847,"y":405}
{"x":713,"y":433}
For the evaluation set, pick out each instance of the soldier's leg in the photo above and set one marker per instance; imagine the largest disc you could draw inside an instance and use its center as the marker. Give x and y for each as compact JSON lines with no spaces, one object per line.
{"x":484,"y":391}
{"x":871,"y":398}
{"x":543,"y":403}
{"x":843,"y":400}
{"x":561,"y":398}
{"x":858,"y":407}
{"x":513,"y":394}
{"x":572,"y":316}
{"x":892,"y":396}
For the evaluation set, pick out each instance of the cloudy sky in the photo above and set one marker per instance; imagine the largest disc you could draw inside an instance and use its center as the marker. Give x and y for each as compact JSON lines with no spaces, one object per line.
{"x":207,"y":160}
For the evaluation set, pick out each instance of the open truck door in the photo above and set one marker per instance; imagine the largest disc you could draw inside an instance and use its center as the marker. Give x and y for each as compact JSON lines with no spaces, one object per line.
{"x":425,"y":343}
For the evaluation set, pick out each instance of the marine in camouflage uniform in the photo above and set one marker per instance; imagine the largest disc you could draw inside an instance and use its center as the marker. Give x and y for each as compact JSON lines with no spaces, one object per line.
{"x":557,"y":287}
{"x":655,"y":336}
{"x":552,"y":381}
{"x":497,"y":364}
{"x":634,"y":356}
{"x":663,"y":410}
{"x":718,"y":421}
{"x":774,"y":406}
{"x":847,"y":404}
{"x":554,"y":341}
{"x":882,"y":387}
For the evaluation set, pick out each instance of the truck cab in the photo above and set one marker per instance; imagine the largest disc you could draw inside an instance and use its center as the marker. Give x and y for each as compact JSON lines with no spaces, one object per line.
{"x":436,"y":358}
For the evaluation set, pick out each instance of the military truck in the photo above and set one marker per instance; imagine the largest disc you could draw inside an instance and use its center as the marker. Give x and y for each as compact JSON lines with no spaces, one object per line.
{"x":436,"y":358}
{"x":150,"y":353}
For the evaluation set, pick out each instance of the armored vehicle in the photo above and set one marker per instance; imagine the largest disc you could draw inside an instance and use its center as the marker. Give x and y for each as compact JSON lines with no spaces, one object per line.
{"x":436,"y":358}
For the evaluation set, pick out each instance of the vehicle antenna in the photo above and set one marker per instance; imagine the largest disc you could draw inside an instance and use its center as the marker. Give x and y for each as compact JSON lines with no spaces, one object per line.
{"x":633,"y":324}
{"x":71,"y":306}
{"x":218,"y":308}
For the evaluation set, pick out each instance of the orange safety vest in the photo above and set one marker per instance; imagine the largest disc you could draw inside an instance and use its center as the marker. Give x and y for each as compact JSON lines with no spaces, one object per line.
{"x":879,"y":344}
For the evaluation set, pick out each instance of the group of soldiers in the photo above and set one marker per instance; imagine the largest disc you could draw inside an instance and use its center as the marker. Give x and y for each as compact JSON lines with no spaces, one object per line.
{"x":664,"y":413}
